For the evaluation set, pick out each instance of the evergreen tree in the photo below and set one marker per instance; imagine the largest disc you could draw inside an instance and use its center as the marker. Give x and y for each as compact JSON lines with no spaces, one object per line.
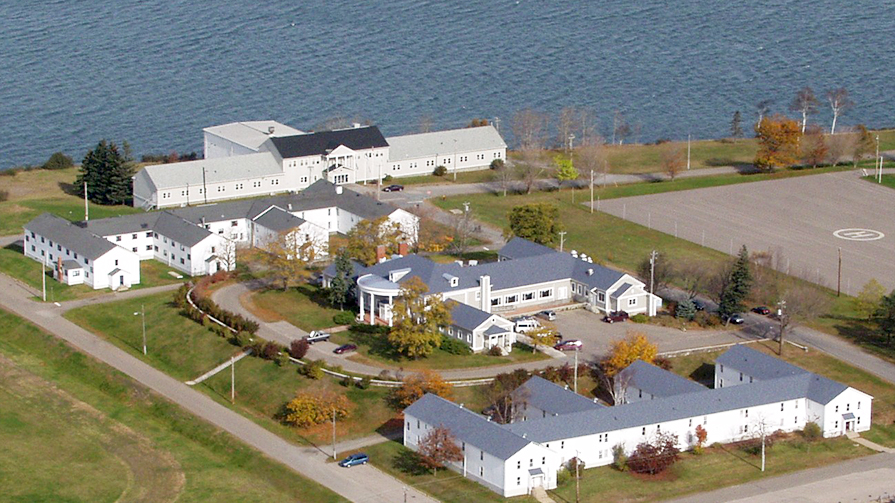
{"x":738,"y":286}
{"x":686,"y":310}
{"x":108,"y":174}
{"x":736,"y":125}
{"x":341,"y":282}
{"x":885,"y":317}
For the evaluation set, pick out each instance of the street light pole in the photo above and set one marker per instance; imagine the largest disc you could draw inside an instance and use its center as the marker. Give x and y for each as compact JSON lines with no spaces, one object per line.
{"x":652,"y":269}
{"x":688,"y":152}
{"x":334,"y":433}
{"x":142,"y":313}
{"x":575,"y":385}
{"x":232,"y":380}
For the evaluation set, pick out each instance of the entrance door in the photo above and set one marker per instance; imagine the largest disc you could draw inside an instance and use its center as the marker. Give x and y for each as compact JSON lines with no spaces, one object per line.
{"x":121,"y":280}
{"x":848,"y":426}
{"x":537,"y":481}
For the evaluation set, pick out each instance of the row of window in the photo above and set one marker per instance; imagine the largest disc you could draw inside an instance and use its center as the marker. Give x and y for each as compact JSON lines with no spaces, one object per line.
{"x":68,"y":252}
{"x":223,"y":188}
{"x":527,"y":296}
{"x":133,"y":236}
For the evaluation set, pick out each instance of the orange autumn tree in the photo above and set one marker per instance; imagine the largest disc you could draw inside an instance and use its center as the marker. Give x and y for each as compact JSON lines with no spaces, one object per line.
{"x":438,"y":448}
{"x":778,"y":143}
{"x":416,"y":385}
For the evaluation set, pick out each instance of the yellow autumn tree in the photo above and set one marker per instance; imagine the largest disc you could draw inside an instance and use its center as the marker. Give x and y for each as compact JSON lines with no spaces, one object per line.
{"x":778,"y":143}
{"x":416,"y":385}
{"x":417,"y":317}
{"x":625,"y":351}
{"x":314,"y":407}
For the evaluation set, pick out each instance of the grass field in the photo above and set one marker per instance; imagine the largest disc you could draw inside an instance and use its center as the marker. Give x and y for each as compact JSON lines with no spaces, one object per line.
{"x":302,"y":306}
{"x":34,"y":192}
{"x":14,"y":263}
{"x":73,"y":429}
{"x":887,"y":180}
{"x":185,"y":350}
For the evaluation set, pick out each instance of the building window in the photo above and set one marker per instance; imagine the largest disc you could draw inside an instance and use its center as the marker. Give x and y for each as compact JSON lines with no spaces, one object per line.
{"x":481,"y":472}
{"x":116,"y":262}
{"x":181,"y":260}
{"x":495,"y":302}
{"x":747,"y":412}
{"x":837,"y":424}
{"x":643,"y":432}
{"x":847,"y":407}
{"x":632,"y":302}
{"x":134,"y":249}
{"x":148,"y":247}
{"x":519,"y":464}
{"x":741,"y":377}
{"x":512,"y":299}
{"x":518,"y":481}
{"x":546,"y":293}
{"x":481,"y":455}
{"x":859,"y":405}
{"x":781,"y":407}
{"x":234,"y":223}
{"x":528,"y":296}
{"x":601,"y":297}
{"x":836,"y":409}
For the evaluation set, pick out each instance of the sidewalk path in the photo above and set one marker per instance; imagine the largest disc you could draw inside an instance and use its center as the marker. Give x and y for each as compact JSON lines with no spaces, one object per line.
{"x":364,"y":484}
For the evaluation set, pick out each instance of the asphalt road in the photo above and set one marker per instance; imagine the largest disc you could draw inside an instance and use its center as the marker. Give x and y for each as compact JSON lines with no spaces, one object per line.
{"x":794,"y":217}
{"x":364,"y":484}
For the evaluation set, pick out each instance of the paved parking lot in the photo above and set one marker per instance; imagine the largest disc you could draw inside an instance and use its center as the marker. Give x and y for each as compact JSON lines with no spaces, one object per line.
{"x":597,"y":335}
{"x":798,"y":216}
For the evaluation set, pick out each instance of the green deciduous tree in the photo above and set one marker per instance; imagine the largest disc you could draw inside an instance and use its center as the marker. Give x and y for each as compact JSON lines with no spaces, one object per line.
{"x":341,"y":282}
{"x":535,"y":222}
{"x":565,"y":170}
{"x":738,"y":286}
{"x":416,"y":320}
{"x":107,"y":172}
{"x":868,"y":299}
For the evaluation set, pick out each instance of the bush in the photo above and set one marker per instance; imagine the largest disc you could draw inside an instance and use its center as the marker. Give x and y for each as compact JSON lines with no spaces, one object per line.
{"x":343,"y":318}
{"x":663,"y":363}
{"x":310,"y":408}
{"x":299,"y":348}
{"x":4,"y":195}
{"x":563,"y":477}
{"x":242,"y":339}
{"x":619,"y":458}
{"x":370,"y":329}
{"x":270,"y":350}
{"x":686,"y":310}
{"x":812,"y":431}
{"x":495,"y":351}
{"x":387,"y":178}
{"x":440,"y":171}
{"x":58,"y":161}
{"x":706,"y":320}
{"x":364,"y":383}
{"x":282,"y":359}
{"x":497,"y":164}
{"x":655,"y":456}
{"x":454,"y":346}
{"x":640,"y":318}
{"x":313,"y":369}
{"x":346,"y":381}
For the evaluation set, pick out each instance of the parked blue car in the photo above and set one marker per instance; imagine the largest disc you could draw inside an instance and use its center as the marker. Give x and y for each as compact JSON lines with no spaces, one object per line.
{"x":354,"y":459}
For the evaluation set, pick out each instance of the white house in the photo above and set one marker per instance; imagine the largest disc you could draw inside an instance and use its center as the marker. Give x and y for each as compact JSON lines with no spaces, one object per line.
{"x":556,"y":425}
{"x":77,"y":256}
{"x":479,"y":329}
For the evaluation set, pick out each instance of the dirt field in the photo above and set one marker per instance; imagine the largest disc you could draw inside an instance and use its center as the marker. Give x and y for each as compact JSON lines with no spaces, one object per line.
{"x":796,"y":218}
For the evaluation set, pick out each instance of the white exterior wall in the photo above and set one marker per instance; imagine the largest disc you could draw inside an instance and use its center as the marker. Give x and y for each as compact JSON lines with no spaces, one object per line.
{"x":145,"y":193}
{"x":117,"y":258}
{"x":407,"y":222}
{"x":237,"y":229}
{"x":727,"y":376}
{"x":829,"y":416}
{"x":460,"y":161}
{"x":516,"y":479}
{"x":300,"y":172}
{"x":141,"y":240}
{"x":326,"y":218}
{"x":217,"y":146}
{"x":220,"y":191}
{"x":95,"y":272}
{"x":306,"y":232}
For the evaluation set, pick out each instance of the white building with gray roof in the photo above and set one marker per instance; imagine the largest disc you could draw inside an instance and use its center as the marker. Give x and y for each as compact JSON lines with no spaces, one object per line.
{"x":569,"y":427}
{"x":455,"y":149}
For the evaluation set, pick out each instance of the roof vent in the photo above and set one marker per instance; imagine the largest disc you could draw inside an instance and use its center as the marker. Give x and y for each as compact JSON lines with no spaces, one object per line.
{"x":461,"y":405}
{"x":338,"y":189}
{"x":270,"y":130}
{"x":574,"y":253}
{"x":473,"y":262}
{"x":590,"y":260}
{"x":489,"y":419}
{"x":289,"y":205}
{"x":459,"y":263}
{"x":525,"y":435}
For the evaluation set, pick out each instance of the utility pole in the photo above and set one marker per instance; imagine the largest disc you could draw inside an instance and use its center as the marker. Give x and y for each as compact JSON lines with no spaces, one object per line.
{"x":879,"y":163}
{"x":232,"y":380}
{"x":575,"y":385}
{"x":43,"y":275}
{"x":571,"y":137}
{"x":652,"y":269}
{"x":688,"y":152}
{"x":465,"y":207}
{"x":592,"y":191}
{"x":87,"y":210}
{"x":562,"y":239}
{"x":783,"y":322}
{"x":839,"y":280}
{"x":334,"y":433}
{"x":762,"y":448}
{"x":577,"y":477}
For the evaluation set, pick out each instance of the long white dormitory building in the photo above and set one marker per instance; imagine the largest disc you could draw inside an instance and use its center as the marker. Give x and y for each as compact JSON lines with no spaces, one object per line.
{"x":263,"y":158}
{"x":200,"y":240}
{"x":753,"y":392}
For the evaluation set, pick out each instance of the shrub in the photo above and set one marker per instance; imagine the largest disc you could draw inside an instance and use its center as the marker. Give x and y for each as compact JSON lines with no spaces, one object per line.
{"x":440,"y":171}
{"x":282,"y":359}
{"x":563,"y":477}
{"x":387,"y":178}
{"x":58,"y":161}
{"x":313,"y":369}
{"x":454,"y":346}
{"x":370,"y":329}
{"x":310,"y":408}
{"x":640,"y":318}
{"x":663,"y":363}
{"x":4,"y":195}
{"x":497,"y":164}
{"x":364,"y":383}
{"x":686,"y":310}
{"x":619,"y":458}
{"x":495,"y":351}
{"x":346,"y":381}
{"x":655,"y":456}
{"x":242,"y":339}
{"x":706,"y":320}
{"x":812,"y":431}
{"x":299,"y":348}
{"x":343,"y":318}
{"x":270,"y":350}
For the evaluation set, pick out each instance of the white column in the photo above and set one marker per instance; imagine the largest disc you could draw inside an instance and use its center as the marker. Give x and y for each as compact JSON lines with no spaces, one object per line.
{"x":361,"y":303}
{"x":372,"y":308}
{"x":392,"y":317}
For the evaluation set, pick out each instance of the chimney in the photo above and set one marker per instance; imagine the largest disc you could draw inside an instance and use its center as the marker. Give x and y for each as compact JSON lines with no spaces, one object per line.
{"x":380,"y":253}
{"x":403,"y":249}
{"x":356,"y":125}
{"x":270,"y":130}
{"x":338,"y":189}
{"x":289,"y":206}
{"x":485,"y":285}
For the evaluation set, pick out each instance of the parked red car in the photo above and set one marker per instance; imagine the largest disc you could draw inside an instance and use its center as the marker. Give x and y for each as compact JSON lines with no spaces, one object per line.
{"x":615,"y":316}
{"x":761,"y":310}
{"x":569,"y":345}
{"x":344,"y":348}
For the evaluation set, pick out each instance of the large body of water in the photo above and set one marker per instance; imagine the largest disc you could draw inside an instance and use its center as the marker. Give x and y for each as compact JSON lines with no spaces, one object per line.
{"x":156,"y":73}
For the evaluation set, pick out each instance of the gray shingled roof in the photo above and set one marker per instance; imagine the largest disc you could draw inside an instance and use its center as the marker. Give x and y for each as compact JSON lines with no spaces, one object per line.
{"x":69,"y":235}
{"x":496,"y":330}
{"x":552,"y":398}
{"x":179,"y":230}
{"x":656,"y":381}
{"x":660,"y":410}
{"x":757,"y":364}
{"x":278,"y":220}
{"x":138,"y":222}
{"x":522,"y":248}
{"x":444,"y":143}
{"x":217,"y":170}
{"x":621,"y":290}
{"x":467,"y":426}
{"x":466,"y":317}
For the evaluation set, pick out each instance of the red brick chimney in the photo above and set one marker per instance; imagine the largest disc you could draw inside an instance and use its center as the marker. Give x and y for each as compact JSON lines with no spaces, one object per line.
{"x":380,"y":253}
{"x":403,"y":249}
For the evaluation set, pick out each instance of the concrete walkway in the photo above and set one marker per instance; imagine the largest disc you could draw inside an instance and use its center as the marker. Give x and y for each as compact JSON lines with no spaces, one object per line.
{"x":856,"y":438}
{"x":365,"y":484}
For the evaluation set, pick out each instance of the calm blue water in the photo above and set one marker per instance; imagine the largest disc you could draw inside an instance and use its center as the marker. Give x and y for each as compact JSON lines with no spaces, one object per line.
{"x":156,"y":73}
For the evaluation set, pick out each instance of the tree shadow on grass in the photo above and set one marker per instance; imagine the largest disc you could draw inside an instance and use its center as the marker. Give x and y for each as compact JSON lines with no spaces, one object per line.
{"x":71,"y":189}
{"x":860,"y":332}
{"x":408,"y":462}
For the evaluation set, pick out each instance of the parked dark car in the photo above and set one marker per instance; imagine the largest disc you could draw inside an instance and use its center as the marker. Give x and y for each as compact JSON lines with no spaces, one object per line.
{"x":569,"y":345}
{"x":549,"y":315}
{"x":761,"y":310}
{"x":736,"y":319}
{"x":615,"y":316}
{"x":344,"y":348}
{"x":393,"y":188}
{"x":355,"y":459}
{"x":698,"y":304}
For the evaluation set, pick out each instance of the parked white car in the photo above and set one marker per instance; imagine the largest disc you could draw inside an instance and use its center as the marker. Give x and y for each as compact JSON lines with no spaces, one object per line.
{"x":317,"y":336}
{"x":524,"y":325}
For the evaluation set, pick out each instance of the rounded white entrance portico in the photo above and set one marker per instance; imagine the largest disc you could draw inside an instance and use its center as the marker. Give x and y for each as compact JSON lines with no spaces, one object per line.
{"x":371,"y":286}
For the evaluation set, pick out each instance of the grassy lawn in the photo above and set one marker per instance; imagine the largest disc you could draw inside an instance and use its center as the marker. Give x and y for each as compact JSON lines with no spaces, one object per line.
{"x":717,"y":467}
{"x":34,"y":192}
{"x":186,"y":350}
{"x":888,"y":180}
{"x":448,"y":486}
{"x":303,"y":306}
{"x":17,"y":265}
{"x":374,"y":349}
{"x":478,"y":176}
{"x":74,"y":429}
